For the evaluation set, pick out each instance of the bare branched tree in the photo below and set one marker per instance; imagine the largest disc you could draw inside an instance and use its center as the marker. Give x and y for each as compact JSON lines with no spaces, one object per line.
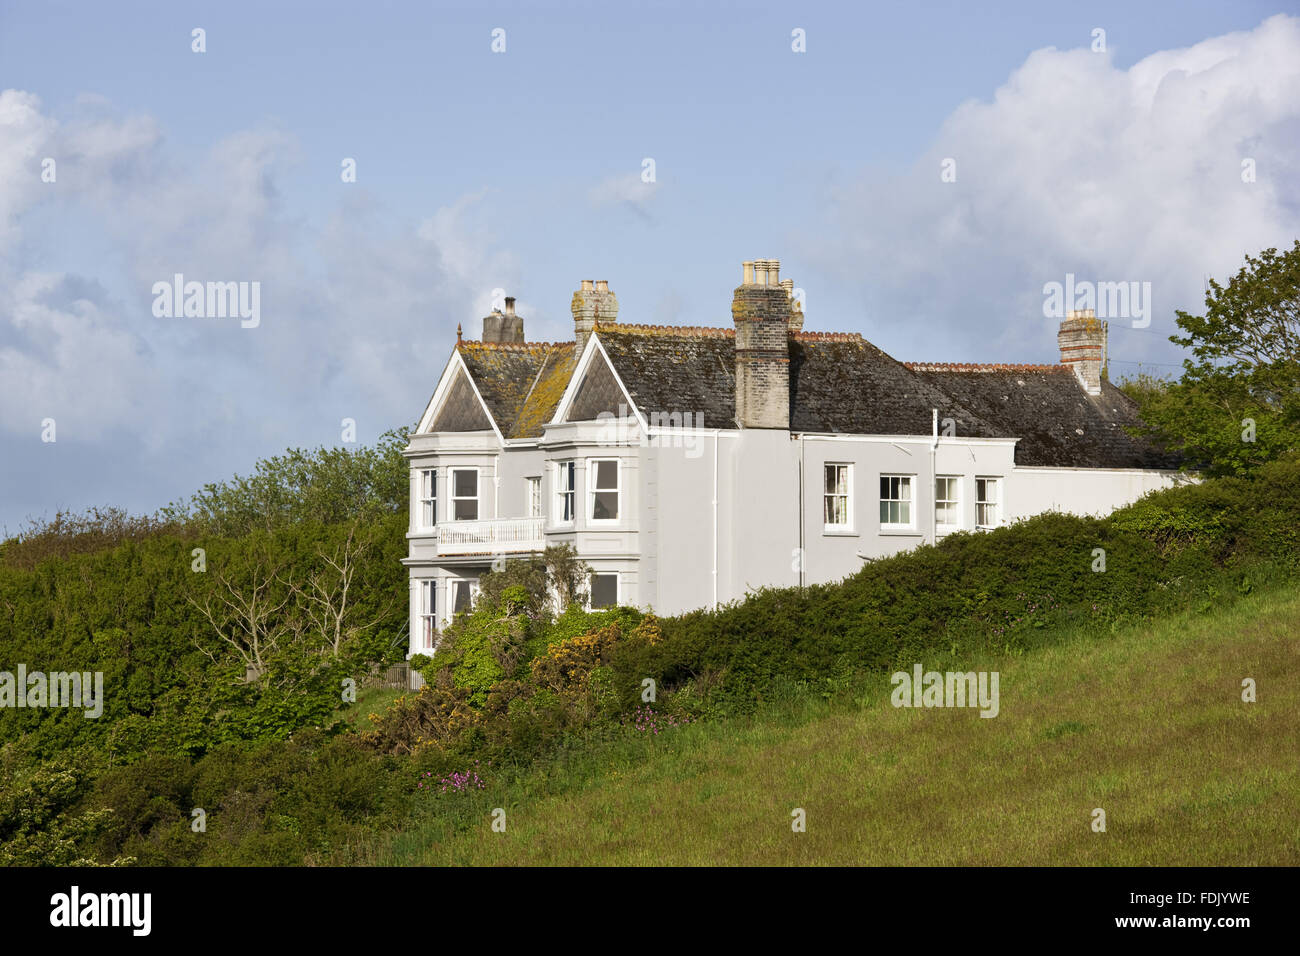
{"x":326,"y":597}
{"x":247,"y":619}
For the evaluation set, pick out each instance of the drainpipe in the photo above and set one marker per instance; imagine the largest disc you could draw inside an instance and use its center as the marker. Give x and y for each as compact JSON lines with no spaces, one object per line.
{"x":934,"y":476}
{"x":802,"y":556}
{"x":715,"y":519}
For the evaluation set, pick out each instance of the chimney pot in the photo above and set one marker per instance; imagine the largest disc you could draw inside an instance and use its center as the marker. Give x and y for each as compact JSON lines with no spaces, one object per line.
{"x":510,"y":305}
{"x":749,"y":273}
{"x":602,"y":285}
{"x":586,"y":285}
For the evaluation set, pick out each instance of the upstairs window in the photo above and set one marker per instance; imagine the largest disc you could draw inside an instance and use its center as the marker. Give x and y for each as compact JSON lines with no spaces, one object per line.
{"x":428,"y":498}
{"x":428,"y":614}
{"x":603,"y":489}
{"x":836,"y":497}
{"x":464,"y":494}
{"x":895,"y":501}
{"x":533,"y":497}
{"x":988,"y":502}
{"x":947,"y":513}
{"x":566,"y":474}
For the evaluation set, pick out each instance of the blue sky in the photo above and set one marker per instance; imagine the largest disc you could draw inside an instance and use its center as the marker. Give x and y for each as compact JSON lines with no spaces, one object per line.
{"x":521,"y":170}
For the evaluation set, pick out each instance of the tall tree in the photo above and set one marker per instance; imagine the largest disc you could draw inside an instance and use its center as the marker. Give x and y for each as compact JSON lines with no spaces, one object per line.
{"x":1237,"y":404}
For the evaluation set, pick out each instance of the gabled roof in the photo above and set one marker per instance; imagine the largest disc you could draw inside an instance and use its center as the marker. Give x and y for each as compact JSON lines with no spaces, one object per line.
{"x":668,"y":369}
{"x":520,"y":384}
{"x":839,"y":383}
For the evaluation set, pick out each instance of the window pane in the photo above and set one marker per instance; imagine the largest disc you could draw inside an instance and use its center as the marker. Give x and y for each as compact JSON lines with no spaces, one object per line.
{"x":466,"y":509}
{"x":604,"y":590}
{"x":884,"y":512}
{"x":460,"y":596}
{"x":905,"y":489}
{"x":466,"y":483}
{"x":607,"y":475}
{"x":904,"y":512}
{"x":884,"y":489}
{"x":604,"y":506}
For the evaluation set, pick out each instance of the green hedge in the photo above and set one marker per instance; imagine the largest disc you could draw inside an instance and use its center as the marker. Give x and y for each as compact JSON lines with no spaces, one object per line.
{"x":1173,"y":549}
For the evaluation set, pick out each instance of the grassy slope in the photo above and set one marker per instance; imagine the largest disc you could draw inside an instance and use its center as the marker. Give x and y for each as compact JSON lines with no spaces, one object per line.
{"x":1148,"y":725}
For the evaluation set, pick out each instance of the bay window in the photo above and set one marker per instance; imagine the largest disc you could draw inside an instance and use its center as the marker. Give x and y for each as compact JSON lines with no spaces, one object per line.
{"x":603,"y":590}
{"x":428,"y":614}
{"x":603,"y":489}
{"x":566,"y":474}
{"x":464,"y":494}
{"x":428,"y":498}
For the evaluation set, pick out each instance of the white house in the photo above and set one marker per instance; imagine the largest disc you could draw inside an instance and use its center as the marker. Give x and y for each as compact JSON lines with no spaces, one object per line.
{"x":690,"y":465}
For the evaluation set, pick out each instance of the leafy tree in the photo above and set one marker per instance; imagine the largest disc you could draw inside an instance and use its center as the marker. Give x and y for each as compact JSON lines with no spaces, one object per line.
{"x":38,"y":825}
{"x":566,"y":574}
{"x":330,"y":485}
{"x":1237,"y":404}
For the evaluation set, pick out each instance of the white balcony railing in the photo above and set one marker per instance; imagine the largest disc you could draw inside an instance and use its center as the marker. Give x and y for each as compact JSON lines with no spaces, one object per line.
{"x":491,"y":537}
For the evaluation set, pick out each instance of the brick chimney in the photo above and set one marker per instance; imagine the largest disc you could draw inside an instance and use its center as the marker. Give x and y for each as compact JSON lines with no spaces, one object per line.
{"x":1082,"y":339}
{"x":504,"y":328}
{"x":591,"y":304}
{"x":761,"y":310}
{"x":796,"y":310}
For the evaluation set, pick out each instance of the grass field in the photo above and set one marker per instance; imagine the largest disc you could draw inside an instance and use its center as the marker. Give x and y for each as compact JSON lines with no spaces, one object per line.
{"x":1148,"y":725}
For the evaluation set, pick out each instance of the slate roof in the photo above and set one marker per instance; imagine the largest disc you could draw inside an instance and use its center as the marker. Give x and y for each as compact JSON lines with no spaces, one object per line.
{"x":1057,"y":421}
{"x":839,"y":383}
{"x":521,"y":384}
{"x":668,"y":369}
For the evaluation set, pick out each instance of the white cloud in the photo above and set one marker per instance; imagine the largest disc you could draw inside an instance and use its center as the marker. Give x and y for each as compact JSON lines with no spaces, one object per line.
{"x":357,"y":311}
{"x":1076,"y":165}
{"x":626,"y":190}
